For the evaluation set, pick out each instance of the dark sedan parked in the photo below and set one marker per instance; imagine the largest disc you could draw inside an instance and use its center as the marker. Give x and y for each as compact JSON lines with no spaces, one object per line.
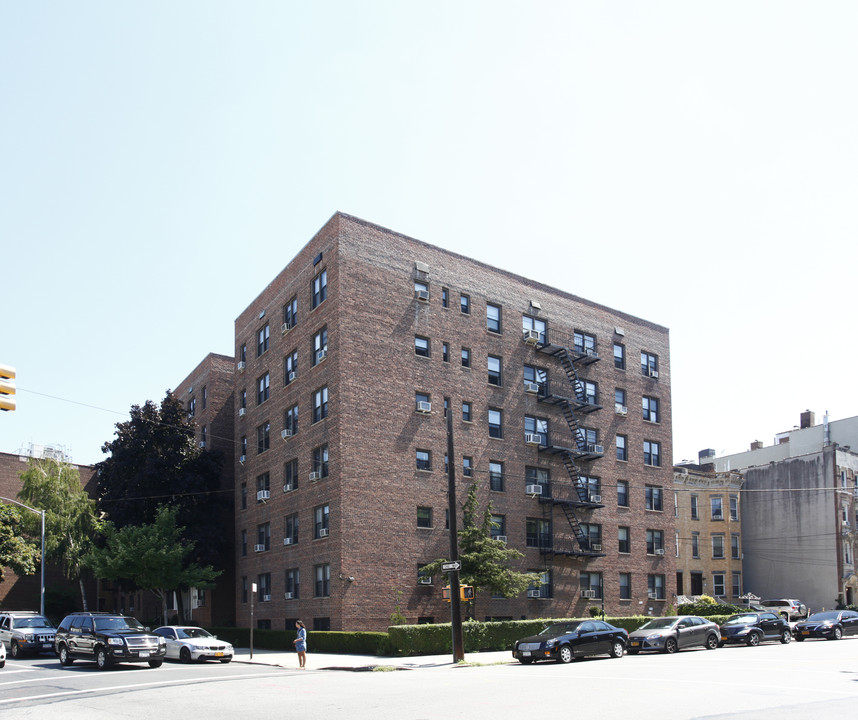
{"x":754,"y":628}
{"x":831,"y":625}
{"x":566,"y":641}
{"x":670,"y":634}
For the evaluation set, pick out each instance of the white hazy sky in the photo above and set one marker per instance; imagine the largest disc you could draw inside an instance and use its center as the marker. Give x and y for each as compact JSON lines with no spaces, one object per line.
{"x":691,"y":163}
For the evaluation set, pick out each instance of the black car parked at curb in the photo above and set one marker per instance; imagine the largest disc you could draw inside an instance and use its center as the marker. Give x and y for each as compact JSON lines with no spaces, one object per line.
{"x":107,"y":638}
{"x":566,"y":641}
{"x":753,"y":628}
{"x":831,"y":625}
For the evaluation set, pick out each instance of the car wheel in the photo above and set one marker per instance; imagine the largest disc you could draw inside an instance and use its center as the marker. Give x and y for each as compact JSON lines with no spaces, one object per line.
{"x":565,"y":654}
{"x":226,"y":660}
{"x":711,"y":642}
{"x":670,"y":646}
{"x":523,"y":661}
{"x":786,"y":636}
{"x":65,"y":658}
{"x":836,"y":634}
{"x":799,"y":638}
{"x":633,"y":651}
{"x":185,"y":655}
{"x":617,"y":649}
{"x":14,"y":650}
{"x":101,"y":659}
{"x":156,"y":662}
{"x":2,"y":663}
{"x":753,"y":640}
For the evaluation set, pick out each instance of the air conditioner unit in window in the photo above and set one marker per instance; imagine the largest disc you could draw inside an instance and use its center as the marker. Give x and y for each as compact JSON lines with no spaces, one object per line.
{"x":315,"y":476}
{"x":288,"y":487}
{"x":532,"y":439}
{"x":424,"y":581}
{"x":533,"y":490}
{"x":287,"y":433}
{"x":595,"y":547}
{"x":202,"y":443}
{"x":287,"y":596}
{"x":534,"y":594}
{"x":263,"y":495}
{"x":259,"y":548}
{"x":242,"y":458}
{"x":653,"y":374}
{"x":591,"y":353}
{"x":652,"y":596}
{"x":600,"y":449}
{"x":242,"y":412}
{"x":242,"y":365}
{"x":321,"y":354}
{"x":595,"y":498}
{"x":424,"y":407}
{"x":659,"y":551}
{"x":717,"y":516}
{"x":531,"y":337}
{"x":285,"y":327}
{"x":588,"y":593}
{"x":292,"y":376}
{"x":620,"y":409}
{"x":500,"y":538}
{"x":323,"y":532}
{"x":266,"y":598}
{"x":422,"y":295}
{"x":531,"y":387}
{"x":287,"y":541}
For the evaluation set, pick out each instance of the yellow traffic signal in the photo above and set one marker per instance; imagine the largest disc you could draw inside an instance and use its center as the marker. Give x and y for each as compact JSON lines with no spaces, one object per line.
{"x":7,"y":387}
{"x":466,"y":593}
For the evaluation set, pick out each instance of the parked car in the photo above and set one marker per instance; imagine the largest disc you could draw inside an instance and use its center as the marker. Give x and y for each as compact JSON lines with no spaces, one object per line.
{"x":678,"y":632}
{"x":26,"y":633}
{"x":831,"y":625}
{"x":2,"y":655}
{"x":187,"y":643}
{"x":566,"y":641}
{"x":107,"y":638}
{"x":790,"y":609}
{"x":755,"y":627}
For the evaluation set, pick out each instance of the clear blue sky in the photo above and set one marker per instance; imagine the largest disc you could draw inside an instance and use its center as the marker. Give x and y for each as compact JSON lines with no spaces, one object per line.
{"x":690,"y":163}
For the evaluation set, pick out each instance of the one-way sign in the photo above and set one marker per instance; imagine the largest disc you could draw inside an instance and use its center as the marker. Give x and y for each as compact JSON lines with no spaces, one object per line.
{"x":451,"y":566}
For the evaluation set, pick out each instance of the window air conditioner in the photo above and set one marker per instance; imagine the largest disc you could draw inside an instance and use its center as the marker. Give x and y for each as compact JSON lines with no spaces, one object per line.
{"x":652,"y":596}
{"x":531,"y":387}
{"x":424,"y":407}
{"x":285,"y":327}
{"x":242,"y":412}
{"x":242,"y":365}
{"x":595,"y":498}
{"x":263,"y":495}
{"x":595,"y":547}
{"x":591,"y":353}
{"x":292,"y":376}
{"x":717,"y":516}
{"x":534,"y":594}
{"x":422,"y":295}
{"x":259,"y":548}
{"x":266,"y":598}
{"x":500,"y":538}
{"x":323,"y":532}
{"x":287,"y":433}
{"x":532,"y":439}
{"x":531,"y":337}
{"x":533,"y":490}
{"x":424,"y":581}
{"x":600,"y":449}
{"x":620,"y":409}
{"x":202,"y":443}
{"x":242,"y":458}
{"x":659,"y":551}
{"x":653,"y":374}
{"x":321,"y":354}
{"x":315,"y":476}
{"x":588,"y":593}
{"x":287,"y":541}
{"x":288,"y":487}
{"x":287,"y":596}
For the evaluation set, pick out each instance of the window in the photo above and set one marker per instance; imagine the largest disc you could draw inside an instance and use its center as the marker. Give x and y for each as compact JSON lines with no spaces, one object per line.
{"x":244,"y":589}
{"x":588,"y":487}
{"x":535,"y":376}
{"x":262,"y":386}
{"x":205,"y":402}
{"x":495,"y":423}
{"x":244,"y":543}
{"x":623,"y":493}
{"x":320,"y":404}
{"x":622,"y":450}
{"x":531,"y":323}
{"x":695,"y":545}
{"x":494,"y":367}
{"x":536,"y":426}
{"x":653,"y":497}
{"x":592,"y":535}
{"x":655,"y":587}
{"x":321,"y":518}
{"x":293,"y":584}
{"x":588,"y":393}
{"x":290,"y":367}
{"x":320,"y":346}
{"x":717,"y":547}
{"x":584,"y":343}
{"x":695,"y":512}
{"x":263,"y":438}
{"x":623,"y":540}
{"x":716,"y":505}
{"x":263,"y":485}
{"x":676,"y":543}
{"x":493,"y":318}
{"x":421,"y":346}
{"x":321,"y":624}
{"x":467,"y":467}
{"x":424,"y":460}
{"x":496,"y":476}
{"x":718,"y":589}
{"x":466,"y":357}
{"x":675,"y":504}
{"x":421,"y":290}
{"x":734,"y":547}
{"x":538,"y":476}
{"x":323,"y":580}
{"x":262,"y":337}
{"x":204,"y":435}
{"x":192,"y":407}
{"x":263,"y":537}
{"x":544,"y":587}
{"x":650,"y":409}
{"x":652,"y":453}
{"x":263,"y":587}
{"x":290,"y":529}
{"x":591,"y":581}
{"x":320,"y":461}
{"x":465,"y":304}
{"x":290,"y":420}
{"x":654,"y":541}
{"x":466,"y":412}
{"x":445,"y":297}
{"x":290,"y":475}
{"x":737,"y":584}
{"x":320,"y":288}
{"x":734,"y":507}
{"x":423,"y":578}
{"x":649,"y":365}
{"x":242,"y":399}
{"x":424,"y":517}
{"x":242,"y":355}
{"x":625,"y":586}
{"x":538,"y":533}
{"x":620,"y":401}
{"x":290,"y":313}
{"x":445,"y":352}
{"x":498,"y":526}
{"x":244,"y":496}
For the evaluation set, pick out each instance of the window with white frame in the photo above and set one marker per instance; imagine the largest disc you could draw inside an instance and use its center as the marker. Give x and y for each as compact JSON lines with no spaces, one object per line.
{"x":290,"y":367}
{"x":323,"y":580}
{"x":293,"y":584}
{"x":320,"y":404}
{"x":650,"y":409}
{"x":493,"y":318}
{"x":320,"y":346}
{"x":718,"y":588}
{"x":321,"y":521}
{"x":320,"y":288}
{"x":263,"y":336}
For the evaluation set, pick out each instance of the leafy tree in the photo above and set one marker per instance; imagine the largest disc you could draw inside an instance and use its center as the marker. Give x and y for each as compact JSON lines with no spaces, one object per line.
{"x":70,"y":522}
{"x":16,"y":551}
{"x":485,"y":562}
{"x":151,"y":557}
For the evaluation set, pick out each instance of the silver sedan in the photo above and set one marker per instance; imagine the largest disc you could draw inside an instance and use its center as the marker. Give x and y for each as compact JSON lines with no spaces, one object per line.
{"x":188,"y":644}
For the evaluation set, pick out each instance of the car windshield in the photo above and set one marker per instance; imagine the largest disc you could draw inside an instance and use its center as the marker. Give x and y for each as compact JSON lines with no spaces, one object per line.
{"x":127,"y":624}
{"x":825,"y":616}
{"x":741,"y":620}
{"x":192,"y":632}
{"x":773,"y":603}
{"x":658,"y":624}
{"x":560,"y":628}
{"x":32,"y":622}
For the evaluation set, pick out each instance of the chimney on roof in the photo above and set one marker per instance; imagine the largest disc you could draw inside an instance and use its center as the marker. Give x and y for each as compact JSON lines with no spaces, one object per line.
{"x":706,"y":460}
{"x":757,"y":445}
{"x":808,"y":419}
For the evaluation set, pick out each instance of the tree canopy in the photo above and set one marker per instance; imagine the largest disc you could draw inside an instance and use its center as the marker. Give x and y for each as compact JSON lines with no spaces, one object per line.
{"x":16,"y":551}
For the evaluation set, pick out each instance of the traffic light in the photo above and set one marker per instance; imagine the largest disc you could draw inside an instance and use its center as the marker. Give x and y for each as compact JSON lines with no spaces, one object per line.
{"x":466,"y":593}
{"x":7,"y":387}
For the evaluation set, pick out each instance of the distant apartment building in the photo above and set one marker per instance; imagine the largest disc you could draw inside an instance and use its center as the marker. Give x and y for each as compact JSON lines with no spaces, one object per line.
{"x":345,"y":367}
{"x":799,"y":513}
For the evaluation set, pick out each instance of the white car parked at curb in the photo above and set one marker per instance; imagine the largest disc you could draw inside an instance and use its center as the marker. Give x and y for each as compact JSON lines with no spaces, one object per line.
{"x":189,"y":644}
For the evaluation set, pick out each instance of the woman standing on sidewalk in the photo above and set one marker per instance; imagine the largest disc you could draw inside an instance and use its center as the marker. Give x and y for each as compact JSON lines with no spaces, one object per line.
{"x":300,"y":643}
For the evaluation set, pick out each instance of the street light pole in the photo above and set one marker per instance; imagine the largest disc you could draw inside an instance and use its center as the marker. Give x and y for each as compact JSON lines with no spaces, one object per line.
{"x":42,"y":513}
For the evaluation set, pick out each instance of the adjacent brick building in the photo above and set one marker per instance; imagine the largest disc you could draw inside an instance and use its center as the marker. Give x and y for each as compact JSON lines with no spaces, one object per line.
{"x":345,"y":365}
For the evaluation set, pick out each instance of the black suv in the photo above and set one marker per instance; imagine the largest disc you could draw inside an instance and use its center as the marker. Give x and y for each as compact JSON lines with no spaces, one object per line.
{"x":107,"y":638}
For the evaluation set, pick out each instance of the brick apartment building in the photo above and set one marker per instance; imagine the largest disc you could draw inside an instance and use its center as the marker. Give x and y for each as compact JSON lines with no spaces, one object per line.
{"x":345,"y":364}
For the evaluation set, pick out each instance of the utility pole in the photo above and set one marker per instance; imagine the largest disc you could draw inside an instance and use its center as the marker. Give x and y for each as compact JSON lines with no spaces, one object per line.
{"x":455,"y":606}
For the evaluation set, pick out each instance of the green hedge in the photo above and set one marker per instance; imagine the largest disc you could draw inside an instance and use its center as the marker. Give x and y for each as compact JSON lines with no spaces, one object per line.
{"x":346,"y":643}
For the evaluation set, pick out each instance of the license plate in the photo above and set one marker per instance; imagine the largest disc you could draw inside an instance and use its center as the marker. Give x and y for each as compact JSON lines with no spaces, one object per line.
{"x":525,"y":653}
{"x":635,"y":643}
{"x":218,"y":654}
{"x":143,"y":653}
{"x":805,"y":632}
{"x":723,"y":637}
{"x":46,"y":646}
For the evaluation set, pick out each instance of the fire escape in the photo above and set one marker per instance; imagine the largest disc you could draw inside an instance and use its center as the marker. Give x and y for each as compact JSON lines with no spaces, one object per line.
{"x":574,"y":448}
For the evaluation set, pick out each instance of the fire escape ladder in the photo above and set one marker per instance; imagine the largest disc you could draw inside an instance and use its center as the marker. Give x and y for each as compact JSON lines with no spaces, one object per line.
{"x":572,"y":518}
{"x":572,"y":374}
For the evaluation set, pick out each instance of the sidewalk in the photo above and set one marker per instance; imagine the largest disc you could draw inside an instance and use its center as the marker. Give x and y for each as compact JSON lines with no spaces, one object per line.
{"x":330,"y":661}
